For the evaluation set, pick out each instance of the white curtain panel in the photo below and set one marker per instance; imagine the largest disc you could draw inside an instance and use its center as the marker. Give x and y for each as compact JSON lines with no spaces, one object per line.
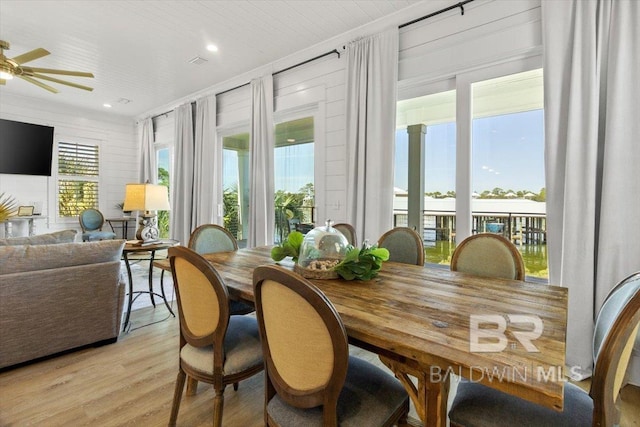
{"x":207,"y":165}
{"x":372,"y":74}
{"x":592,"y":153}
{"x":261,"y":174}
{"x":182,"y":177}
{"x":148,"y":169}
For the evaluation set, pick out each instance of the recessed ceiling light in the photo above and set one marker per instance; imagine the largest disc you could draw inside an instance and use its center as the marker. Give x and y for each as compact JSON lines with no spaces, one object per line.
{"x":105,"y":105}
{"x":212,"y":48}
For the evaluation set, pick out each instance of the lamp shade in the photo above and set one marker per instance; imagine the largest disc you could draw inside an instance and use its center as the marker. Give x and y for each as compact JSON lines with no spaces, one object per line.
{"x":146,"y":197}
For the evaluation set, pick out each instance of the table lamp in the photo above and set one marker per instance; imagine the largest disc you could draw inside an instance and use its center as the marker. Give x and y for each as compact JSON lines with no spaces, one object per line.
{"x":146,"y":198}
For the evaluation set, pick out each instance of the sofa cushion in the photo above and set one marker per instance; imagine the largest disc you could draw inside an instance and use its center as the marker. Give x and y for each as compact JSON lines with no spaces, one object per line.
{"x":64,"y":236}
{"x":17,"y":259}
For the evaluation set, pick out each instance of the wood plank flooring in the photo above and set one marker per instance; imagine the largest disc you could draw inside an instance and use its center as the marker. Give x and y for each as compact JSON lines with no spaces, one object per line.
{"x":131,"y":382}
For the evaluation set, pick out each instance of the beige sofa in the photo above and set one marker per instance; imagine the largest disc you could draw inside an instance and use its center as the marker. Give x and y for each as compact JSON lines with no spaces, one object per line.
{"x":56,"y":297}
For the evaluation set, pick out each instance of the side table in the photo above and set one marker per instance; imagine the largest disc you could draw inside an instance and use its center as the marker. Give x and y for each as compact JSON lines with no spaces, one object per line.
{"x":152,"y":248}
{"x":124,"y":224}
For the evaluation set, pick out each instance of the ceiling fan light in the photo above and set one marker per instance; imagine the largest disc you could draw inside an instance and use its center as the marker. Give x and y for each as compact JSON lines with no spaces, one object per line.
{"x":5,"y":73}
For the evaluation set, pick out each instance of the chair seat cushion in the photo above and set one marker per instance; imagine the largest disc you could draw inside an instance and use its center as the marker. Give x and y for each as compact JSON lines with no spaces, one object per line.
{"x":478,"y":405}
{"x":94,"y":236}
{"x":369,"y":397}
{"x":241,"y":344}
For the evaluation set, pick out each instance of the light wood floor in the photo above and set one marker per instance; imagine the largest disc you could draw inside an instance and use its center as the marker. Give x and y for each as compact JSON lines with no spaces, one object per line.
{"x":131,"y":382}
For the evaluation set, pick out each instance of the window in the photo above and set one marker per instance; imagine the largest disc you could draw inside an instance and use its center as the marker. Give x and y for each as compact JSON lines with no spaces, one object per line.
{"x":483,"y":160}
{"x":163,"y":162}
{"x":437,"y":112}
{"x":294,"y":175}
{"x":78,"y":178}
{"x":235,"y":184}
{"x":507,"y":163}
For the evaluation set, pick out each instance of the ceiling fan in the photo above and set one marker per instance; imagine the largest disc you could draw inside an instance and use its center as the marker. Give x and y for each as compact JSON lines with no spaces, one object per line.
{"x":10,"y":68}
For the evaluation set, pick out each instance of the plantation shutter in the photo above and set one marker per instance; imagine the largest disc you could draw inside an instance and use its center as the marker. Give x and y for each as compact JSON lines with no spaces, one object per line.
{"x":78,"y":176}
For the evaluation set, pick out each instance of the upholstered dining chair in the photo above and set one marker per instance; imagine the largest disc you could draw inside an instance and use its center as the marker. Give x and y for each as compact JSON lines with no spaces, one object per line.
{"x":310,"y":379}
{"x":212,"y":238}
{"x":615,"y":331}
{"x":215,"y":347}
{"x":404,"y":245}
{"x":488,"y":255}
{"x":91,"y":222}
{"x":348,"y":231}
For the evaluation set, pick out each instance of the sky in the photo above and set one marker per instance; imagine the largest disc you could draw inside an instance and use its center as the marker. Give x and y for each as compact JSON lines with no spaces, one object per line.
{"x":293,"y":165}
{"x":507,"y":152}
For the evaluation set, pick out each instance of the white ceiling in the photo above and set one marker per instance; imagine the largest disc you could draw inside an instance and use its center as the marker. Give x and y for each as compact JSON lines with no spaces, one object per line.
{"x":140,"y":50}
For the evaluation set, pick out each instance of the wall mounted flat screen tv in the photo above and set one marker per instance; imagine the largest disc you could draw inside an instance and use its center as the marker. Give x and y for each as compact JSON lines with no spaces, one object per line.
{"x":25,"y":148}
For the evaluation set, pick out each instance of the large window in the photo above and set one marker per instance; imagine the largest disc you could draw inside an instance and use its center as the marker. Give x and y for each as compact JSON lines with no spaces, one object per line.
{"x":163,"y":163}
{"x":483,"y":161}
{"x":78,"y":178}
{"x":437,"y":112}
{"x":507,"y":136}
{"x":235,"y":184}
{"x":294,"y":175}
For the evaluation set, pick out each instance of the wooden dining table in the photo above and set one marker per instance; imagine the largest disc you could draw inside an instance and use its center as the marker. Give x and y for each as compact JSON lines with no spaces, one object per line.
{"x":428,"y":323}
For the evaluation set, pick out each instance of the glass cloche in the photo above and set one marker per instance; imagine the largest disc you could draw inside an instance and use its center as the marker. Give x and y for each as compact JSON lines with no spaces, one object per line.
{"x":322,"y":249}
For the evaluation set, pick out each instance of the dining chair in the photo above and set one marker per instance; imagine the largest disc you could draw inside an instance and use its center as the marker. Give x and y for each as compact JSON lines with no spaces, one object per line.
{"x":215,"y":347}
{"x":310,"y":379}
{"x":615,"y":332}
{"x":348,"y":231}
{"x":488,"y":255}
{"x":206,"y":239}
{"x":404,"y":245}
{"x":212,"y":238}
{"x":91,"y":221}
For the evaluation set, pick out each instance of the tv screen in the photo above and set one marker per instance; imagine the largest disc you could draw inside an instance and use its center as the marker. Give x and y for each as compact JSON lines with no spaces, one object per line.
{"x":25,"y":148}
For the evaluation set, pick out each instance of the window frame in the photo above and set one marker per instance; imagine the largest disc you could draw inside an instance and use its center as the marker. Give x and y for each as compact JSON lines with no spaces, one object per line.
{"x":71,"y":139}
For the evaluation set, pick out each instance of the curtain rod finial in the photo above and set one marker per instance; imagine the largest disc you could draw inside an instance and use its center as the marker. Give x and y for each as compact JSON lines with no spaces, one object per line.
{"x":461,"y":8}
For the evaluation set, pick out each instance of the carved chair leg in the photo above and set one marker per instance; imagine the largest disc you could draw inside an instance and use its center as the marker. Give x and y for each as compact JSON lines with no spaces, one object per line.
{"x":177,"y":396}
{"x":192,"y":386}
{"x":218,"y":405}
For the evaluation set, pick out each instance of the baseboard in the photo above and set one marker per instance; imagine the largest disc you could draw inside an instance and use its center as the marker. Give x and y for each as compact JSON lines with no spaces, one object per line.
{"x":60,"y":353}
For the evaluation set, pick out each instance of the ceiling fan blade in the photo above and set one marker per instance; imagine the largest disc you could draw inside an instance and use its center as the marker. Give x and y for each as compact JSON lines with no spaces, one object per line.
{"x":37,"y":83}
{"x":62,"y":72}
{"x":30,"y":56}
{"x":62,"y":82}
{"x":3,"y":81}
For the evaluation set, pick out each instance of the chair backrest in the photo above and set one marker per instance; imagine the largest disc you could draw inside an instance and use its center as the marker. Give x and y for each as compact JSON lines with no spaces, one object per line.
{"x":615,"y":332}
{"x":348,"y":231}
{"x":91,"y":220}
{"x":488,"y":255}
{"x":212,"y":238}
{"x":304,"y":341}
{"x":203,"y":304}
{"x":404,"y":245}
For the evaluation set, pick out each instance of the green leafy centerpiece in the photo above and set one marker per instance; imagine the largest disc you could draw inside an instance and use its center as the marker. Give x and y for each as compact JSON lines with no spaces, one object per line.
{"x":290,"y":247}
{"x":324,"y":253}
{"x":363,"y":263}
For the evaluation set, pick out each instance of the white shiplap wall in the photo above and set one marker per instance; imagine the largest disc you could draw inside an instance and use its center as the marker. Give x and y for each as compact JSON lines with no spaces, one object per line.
{"x":118,"y":151}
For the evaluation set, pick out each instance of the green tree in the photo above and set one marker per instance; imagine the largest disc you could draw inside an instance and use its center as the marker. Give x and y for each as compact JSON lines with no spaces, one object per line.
{"x":231,"y":210}
{"x":163,"y":216}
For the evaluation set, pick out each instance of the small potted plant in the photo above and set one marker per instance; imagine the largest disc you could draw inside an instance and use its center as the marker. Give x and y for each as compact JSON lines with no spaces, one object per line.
{"x":7,"y":206}
{"x":121,"y":207}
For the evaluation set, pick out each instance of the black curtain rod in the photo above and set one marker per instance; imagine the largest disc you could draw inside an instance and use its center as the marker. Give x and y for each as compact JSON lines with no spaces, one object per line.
{"x":286,"y":69}
{"x":446,"y":9}
{"x":277,"y":72}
